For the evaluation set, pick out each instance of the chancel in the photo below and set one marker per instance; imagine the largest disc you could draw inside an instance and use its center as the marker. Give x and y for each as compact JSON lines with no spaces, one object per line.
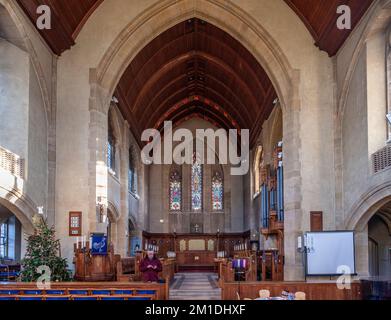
{"x":271,"y":124}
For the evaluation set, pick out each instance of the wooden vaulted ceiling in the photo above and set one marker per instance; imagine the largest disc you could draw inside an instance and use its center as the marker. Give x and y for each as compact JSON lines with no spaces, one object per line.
{"x":319,"y":16}
{"x":195,"y":69}
{"x":68,"y":18}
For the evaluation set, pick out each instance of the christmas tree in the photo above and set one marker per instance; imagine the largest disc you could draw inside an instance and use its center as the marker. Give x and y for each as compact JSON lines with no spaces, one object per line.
{"x":43,"y":250}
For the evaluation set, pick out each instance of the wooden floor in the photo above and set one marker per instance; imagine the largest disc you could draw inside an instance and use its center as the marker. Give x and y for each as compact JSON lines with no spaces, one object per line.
{"x":195,"y":286}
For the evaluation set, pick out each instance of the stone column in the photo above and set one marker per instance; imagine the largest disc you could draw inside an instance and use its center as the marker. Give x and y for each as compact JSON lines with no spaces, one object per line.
{"x":362,"y":258}
{"x":97,"y":146}
{"x":293,"y":269}
{"x":122,"y":244}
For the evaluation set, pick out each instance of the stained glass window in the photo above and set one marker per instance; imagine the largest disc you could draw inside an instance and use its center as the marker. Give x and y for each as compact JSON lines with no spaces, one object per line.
{"x":217,"y":192}
{"x":196,"y":184}
{"x":175,"y":191}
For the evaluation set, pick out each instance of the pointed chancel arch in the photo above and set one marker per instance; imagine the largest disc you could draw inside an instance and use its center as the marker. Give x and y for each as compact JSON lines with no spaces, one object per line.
{"x":241,"y":27}
{"x":192,"y":68}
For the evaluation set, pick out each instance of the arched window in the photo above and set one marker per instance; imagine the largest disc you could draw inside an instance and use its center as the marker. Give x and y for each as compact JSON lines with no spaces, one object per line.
{"x":196,"y":184}
{"x":4,"y":240}
{"x":110,"y":146}
{"x":132,"y":174}
{"x":175,"y":191}
{"x":217,"y":191}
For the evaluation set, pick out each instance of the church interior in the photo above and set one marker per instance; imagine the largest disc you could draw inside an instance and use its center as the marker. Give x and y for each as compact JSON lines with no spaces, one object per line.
{"x":308,"y":83}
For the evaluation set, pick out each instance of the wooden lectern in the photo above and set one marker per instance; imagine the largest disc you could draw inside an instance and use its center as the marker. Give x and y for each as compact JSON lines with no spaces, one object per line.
{"x":93,"y":268}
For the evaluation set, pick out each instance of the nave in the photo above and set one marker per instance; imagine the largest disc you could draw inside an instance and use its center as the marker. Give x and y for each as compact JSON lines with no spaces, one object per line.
{"x":101,"y":163}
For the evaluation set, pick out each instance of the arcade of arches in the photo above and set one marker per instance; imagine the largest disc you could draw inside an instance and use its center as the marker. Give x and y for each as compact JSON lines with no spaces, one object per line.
{"x":75,"y":100}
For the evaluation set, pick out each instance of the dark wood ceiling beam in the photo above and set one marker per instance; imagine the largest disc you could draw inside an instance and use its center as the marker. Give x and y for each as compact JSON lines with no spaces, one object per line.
{"x":166,"y":87}
{"x":176,"y":97}
{"x":252,"y":104}
{"x":188,"y":109}
{"x":320,"y":18}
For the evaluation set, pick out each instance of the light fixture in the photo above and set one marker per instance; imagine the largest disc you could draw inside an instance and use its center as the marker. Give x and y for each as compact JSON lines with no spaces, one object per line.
{"x":161,"y":221}
{"x":40,"y":210}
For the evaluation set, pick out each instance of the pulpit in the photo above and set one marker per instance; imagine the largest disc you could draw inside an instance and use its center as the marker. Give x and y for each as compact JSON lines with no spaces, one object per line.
{"x":94,"y":267}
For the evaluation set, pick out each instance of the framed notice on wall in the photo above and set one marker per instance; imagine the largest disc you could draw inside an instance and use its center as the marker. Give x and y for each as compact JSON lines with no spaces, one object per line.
{"x":74,"y":224}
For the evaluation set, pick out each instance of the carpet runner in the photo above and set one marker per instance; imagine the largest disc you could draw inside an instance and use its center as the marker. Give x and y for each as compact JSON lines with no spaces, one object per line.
{"x":195,"y":286}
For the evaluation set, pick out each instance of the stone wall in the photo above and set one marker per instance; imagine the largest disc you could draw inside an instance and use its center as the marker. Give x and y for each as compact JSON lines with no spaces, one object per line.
{"x":331,"y":110}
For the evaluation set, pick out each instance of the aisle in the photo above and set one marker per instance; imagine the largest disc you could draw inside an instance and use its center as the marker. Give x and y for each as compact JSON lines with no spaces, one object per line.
{"x":195,"y":286}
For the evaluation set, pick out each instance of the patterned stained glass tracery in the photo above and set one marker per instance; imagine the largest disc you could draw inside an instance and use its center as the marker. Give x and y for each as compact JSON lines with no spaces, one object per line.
{"x":217,"y":192}
{"x":175,"y":191}
{"x":196,"y":184}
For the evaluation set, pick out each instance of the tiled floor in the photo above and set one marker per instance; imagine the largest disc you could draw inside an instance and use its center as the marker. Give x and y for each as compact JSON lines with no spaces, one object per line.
{"x":195,"y":286}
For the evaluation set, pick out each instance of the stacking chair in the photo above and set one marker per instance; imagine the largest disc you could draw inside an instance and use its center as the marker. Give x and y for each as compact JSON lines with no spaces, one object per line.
{"x":55,"y":292}
{"x":122,"y":292}
{"x":264,"y":294}
{"x":113,"y":298}
{"x":84,"y":298}
{"x":7,"y":298}
{"x":153,"y":292}
{"x":8,"y":292}
{"x":58,"y":298}
{"x":139,"y":298}
{"x":300,"y":295}
{"x":33,"y":297}
{"x":78,"y":292}
{"x":31,"y":292}
{"x":100,"y":292}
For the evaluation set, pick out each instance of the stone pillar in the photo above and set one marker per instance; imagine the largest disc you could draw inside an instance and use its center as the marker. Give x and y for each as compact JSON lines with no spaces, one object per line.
{"x":294,"y":268}
{"x":52,"y":159}
{"x":97,"y":146}
{"x":122,"y":244}
{"x":362,"y":258}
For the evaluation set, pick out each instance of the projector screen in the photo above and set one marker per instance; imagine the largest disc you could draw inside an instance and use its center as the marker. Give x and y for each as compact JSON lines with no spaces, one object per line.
{"x":327,"y":252}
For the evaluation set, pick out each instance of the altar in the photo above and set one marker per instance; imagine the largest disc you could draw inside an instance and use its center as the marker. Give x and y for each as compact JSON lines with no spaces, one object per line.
{"x":195,"y":252}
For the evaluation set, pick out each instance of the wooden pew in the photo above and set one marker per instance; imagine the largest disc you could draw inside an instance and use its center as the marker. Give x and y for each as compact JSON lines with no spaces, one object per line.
{"x":126,"y":267}
{"x":161,"y":289}
{"x":313,"y":291}
{"x":169,"y":267}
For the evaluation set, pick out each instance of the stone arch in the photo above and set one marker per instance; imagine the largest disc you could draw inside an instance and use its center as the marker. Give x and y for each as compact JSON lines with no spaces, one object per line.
{"x":115,"y":214}
{"x":367,"y":206}
{"x":22,"y":210}
{"x":359,"y":216}
{"x":160,"y":17}
{"x":232,"y":19}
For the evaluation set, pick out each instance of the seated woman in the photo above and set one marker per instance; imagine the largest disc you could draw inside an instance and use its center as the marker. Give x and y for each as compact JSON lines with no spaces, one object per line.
{"x":150,"y":266}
